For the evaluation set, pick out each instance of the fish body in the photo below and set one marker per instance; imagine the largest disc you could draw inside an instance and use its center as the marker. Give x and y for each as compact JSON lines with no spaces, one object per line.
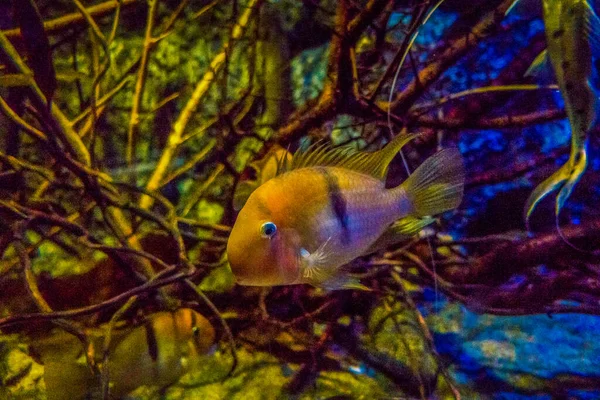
{"x":573,"y":41}
{"x":332,"y":206}
{"x":156,"y":354}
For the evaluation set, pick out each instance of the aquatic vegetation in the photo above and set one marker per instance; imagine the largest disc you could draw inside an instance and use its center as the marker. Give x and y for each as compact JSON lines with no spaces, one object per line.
{"x":139,"y":139}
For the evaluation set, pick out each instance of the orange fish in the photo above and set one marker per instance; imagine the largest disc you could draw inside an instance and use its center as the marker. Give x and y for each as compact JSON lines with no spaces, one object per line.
{"x":331,"y":206}
{"x":156,"y":353}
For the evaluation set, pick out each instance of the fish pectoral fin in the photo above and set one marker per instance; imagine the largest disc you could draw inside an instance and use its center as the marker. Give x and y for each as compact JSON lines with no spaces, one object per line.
{"x":314,"y":273}
{"x":541,"y":68}
{"x":315,"y":267}
{"x":319,"y":276}
{"x":399,"y":231}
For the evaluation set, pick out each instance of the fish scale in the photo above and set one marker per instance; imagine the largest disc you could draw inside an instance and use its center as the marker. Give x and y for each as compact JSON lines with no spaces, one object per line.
{"x":370,"y":209}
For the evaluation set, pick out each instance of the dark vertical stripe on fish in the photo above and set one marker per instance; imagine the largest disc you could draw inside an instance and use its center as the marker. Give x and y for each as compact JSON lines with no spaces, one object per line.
{"x":338,"y":203}
{"x":196,"y":332}
{"x":151,"y":340}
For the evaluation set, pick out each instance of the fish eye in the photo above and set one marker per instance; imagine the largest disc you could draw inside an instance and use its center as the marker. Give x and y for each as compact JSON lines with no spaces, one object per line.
{"x":268,"y":229}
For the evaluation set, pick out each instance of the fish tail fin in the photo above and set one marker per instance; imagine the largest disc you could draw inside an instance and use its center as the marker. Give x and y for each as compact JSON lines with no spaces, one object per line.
{"x":578,"y":168}
{"x":437,"y":185}
{"x":67,"y":380}
{"x":565,"y":178}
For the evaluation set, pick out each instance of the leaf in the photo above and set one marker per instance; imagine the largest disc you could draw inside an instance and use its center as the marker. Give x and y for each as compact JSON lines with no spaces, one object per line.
{"x":219,"y":280}
{"x":37,"y":46}
{"x":257,"y":376}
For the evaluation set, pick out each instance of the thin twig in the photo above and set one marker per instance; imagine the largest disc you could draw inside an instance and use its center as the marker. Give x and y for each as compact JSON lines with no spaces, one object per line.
{"x":186,"y":114}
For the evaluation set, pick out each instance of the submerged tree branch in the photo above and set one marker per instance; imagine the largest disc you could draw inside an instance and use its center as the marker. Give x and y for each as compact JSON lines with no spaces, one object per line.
{"x":450,"y":53}
{"x":501,"y":122}
{"x":200,"y":90}
{"x":74,"y":19}
{"x":140,"y":83}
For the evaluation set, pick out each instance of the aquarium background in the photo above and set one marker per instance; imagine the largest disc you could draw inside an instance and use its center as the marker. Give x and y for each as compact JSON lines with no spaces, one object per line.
{"x":475,"y":307}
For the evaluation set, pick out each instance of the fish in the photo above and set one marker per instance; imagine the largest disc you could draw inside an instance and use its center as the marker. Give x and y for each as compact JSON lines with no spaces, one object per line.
{"x":572,"y":31}
{"x":265,"y":169}
{"x":331,"y":206}
{"x":156,"y":353}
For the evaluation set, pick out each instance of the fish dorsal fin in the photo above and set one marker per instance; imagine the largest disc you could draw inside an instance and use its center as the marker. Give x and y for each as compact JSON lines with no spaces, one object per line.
{"x":592,"y":29}
{"x":284,"y":160}
{"x":374,"y":164}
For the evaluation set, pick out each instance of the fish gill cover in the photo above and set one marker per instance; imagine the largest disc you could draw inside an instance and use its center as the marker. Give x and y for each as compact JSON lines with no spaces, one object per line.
{"x":127,"y":138}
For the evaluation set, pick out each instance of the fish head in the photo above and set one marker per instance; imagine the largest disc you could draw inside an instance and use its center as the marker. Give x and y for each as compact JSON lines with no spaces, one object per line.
{"x":263,"y":249}
{"x":194,"y":330}
{"x":181,"y":334}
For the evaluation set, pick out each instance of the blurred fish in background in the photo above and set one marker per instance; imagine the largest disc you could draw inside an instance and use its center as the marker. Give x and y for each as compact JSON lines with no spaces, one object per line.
{"x":156,"y":353}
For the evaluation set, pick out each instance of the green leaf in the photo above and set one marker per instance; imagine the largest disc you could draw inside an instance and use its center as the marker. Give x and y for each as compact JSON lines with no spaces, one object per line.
{"x":219,"y":280}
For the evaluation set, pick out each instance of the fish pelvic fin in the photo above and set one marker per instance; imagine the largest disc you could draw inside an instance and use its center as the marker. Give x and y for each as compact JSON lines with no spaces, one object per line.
{"x":437,"y":185}
{"x":344,"y":282}
{"x":541,"y":69}
{"x":374,"y":164}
